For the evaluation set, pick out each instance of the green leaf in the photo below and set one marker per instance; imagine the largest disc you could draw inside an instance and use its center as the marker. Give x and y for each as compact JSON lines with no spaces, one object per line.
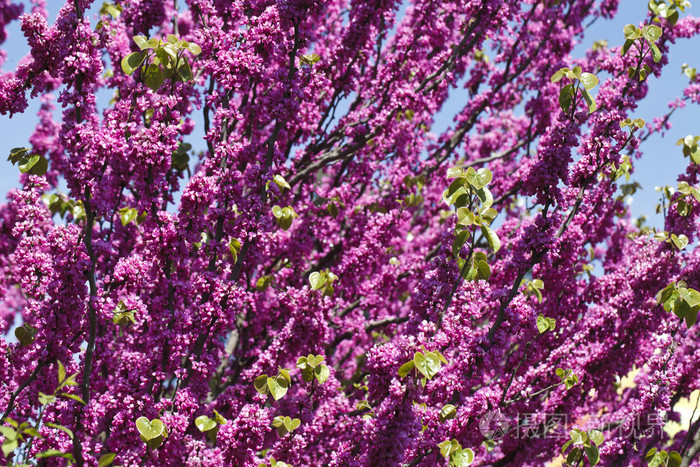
{"x":465,"y":216}
{"x":459,"y":242}
{"x":542,"y":324}
{"x":291,"y":424}
{"x":142,"y":43}
{"x":485,"y":197}
{"x":455,"y":172}
{"x":278,"y":387}
{"x":45,"y":399}
{"x":132,"y":61}
{"x":596,"y":436}
{"x":470,"y":176}
{"x":566,"y":97}
{"x":106,"y":459}
{"x":322,"y":373}
{"x":626,"y":46}
{"x":152,"y":433}
{"x":447,"y":447}
{"x":491,"y":237}
{"x":8,"y":446}
{"x":128,"y":215}
{"x":184,"y":71}
{"x":558,"y":75}
{"x":16,"y":154}
{"x":572,"y":458}
{"x":674,"y":459}
{"x":483,"y":270}
{"x":26,"y":164}
{"x":61,"y":372}
{"x":680,"y":241}
{"x":31,"y":431}
{"x":588,"y":80}
{"x":8,"y":433}
{"x":55,"y":453}
{"x":656,"y":53}
{"x":154,"y":77}
{"x":317,"y":280}
{"x":406,"y":368}
{"x":592,"y":106}
{"x":263,"y":282}
{"x":483,"y":177}
{"x":462,"y":457}
{"x":651,"y":32}
{"x":448,"y":412}
{"x":566,"y":446}
{"x":194,"y":48}
{"x":631,"y":32}
{"x":592,"y":454}
{"x":204,"y":423}
{"x":281,"y":182}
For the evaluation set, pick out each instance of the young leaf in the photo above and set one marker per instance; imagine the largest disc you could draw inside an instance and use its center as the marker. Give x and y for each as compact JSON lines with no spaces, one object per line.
{"x":55,"y":453}
{"x":260,"y":384}
{"x":132,"y":61}
{"x":588,"y":80}
{"x":106,"y":459}
{"x":491,"y":237}
{"x":406,"y":368}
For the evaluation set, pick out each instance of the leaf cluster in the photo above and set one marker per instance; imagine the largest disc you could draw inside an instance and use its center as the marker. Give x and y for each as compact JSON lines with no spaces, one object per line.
{"x":27,"y":162}
{"x":323,"y":281}
{"x":690,"y":147}
{"x":567,"y":376}
{"x":457,"y":456}
{"x":284,"y":216}
{"x":683,"y":301}
{"x":62,"y":204}
{"x":656,"y":458}
{"x":584,"y":443}
{"x":311,"y":367}
{"x":469,"y":195}
{"x":285,"y":425}
{"x":277,"y":385}
{"x":545,"y":324}
{"x":581,"y":82}
{"x":210,"y":426}
{"x":668,"y":11}
{"x":160,"y":60}
{"x":426,"y":363}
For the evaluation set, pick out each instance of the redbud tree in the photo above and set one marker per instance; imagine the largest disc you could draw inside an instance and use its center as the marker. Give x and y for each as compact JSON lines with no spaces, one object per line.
{"x":259,"y":253}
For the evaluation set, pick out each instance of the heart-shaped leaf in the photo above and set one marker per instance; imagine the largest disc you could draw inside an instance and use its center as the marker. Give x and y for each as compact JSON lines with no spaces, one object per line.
{"x":462,"y":457}
{"x":317,"y":280}
{"x":106,"y":459}
{"x":406,"y":368}
{"x":596,"y":436}
{"x":483,"y":177}
{"x":204,"y":423}
{"x":491,"y":237}
{"x":448,"y":412}
{"x":322,"y":373}
{"x":589,"y":81}
{"x":278,"y":386}
{"x":260,"y":384}
{"x":152,"y":432}
{"x":132,"y":61}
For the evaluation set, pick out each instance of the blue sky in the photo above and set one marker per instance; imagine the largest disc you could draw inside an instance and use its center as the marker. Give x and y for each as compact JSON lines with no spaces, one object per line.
{"x":661,"y":164}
